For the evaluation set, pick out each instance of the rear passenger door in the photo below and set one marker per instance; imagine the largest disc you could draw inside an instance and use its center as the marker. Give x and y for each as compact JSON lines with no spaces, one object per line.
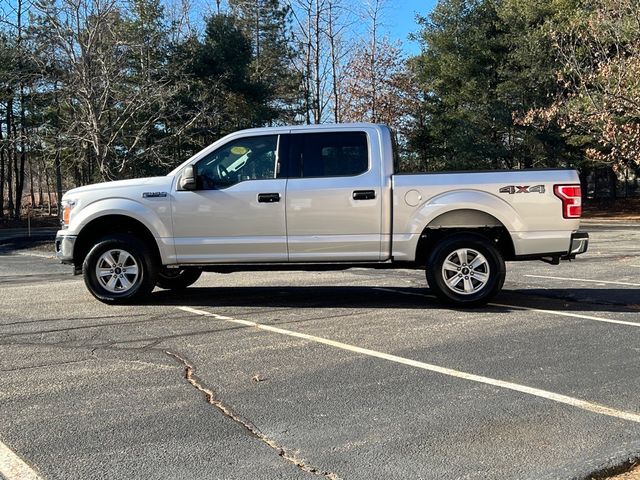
{"x":333,"y":205}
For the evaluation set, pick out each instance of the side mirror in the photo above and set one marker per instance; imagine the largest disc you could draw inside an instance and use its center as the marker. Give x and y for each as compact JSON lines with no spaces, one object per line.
{"x":188,"y":179}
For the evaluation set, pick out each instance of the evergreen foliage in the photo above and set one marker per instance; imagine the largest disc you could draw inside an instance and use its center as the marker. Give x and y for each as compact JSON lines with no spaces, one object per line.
{"x":93,"y":91}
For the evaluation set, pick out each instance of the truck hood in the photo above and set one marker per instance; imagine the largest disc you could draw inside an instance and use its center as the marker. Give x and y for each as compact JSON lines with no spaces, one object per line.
{"x":163,"y":182}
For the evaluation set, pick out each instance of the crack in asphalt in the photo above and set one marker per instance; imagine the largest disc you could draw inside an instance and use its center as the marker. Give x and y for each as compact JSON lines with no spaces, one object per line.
{"x":83,"y":327}
{"x":54,"y":364}
{"x":211,"y":399}
{"x":69,"y":319}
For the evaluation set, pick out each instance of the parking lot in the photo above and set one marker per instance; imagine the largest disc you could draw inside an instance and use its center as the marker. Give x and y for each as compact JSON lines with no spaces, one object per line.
{"x":355,"y":375}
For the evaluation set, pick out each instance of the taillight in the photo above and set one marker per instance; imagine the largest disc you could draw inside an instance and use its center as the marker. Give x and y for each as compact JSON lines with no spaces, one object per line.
{"x":571,"y":200}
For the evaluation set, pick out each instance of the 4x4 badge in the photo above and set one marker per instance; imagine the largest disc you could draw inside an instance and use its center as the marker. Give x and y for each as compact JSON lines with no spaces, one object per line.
{"x":511,"y":189}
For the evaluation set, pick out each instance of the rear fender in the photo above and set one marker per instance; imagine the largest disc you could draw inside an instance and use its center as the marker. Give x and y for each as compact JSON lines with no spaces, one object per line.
{"x":433,"y":213}
{"x":466,"y":200}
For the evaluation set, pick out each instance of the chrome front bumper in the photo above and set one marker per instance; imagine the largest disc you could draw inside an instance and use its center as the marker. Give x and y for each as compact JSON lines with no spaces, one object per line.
{"x":64,"y":247}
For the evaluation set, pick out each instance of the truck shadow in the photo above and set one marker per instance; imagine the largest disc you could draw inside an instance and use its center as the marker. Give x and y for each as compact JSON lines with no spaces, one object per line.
{"x":571,"y":300}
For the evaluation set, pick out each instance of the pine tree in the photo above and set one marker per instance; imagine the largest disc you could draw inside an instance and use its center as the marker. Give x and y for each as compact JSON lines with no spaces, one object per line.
{"x":266,"y":24}
{"x":484,"y":63}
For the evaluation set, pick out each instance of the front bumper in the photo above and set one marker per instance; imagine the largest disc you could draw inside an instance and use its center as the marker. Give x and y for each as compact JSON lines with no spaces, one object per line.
{"x":579,"y":244}
{"x":64,"y":248}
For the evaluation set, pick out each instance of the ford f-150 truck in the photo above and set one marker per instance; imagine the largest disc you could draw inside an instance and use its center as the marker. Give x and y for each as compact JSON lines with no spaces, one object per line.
{"x":316,"y":197}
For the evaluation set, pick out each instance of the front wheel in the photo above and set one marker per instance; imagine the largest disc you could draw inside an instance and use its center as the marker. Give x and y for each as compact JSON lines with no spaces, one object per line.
{"x":178,"y":278}
{"x":465,"y":269}
{"x":119,"y":269}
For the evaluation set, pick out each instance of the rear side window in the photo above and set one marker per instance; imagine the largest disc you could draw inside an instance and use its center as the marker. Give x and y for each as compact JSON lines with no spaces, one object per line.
{"x":340,"y":154}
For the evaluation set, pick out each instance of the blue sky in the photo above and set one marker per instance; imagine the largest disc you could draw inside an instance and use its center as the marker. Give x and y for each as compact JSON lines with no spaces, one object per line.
{"x":400,"y":20}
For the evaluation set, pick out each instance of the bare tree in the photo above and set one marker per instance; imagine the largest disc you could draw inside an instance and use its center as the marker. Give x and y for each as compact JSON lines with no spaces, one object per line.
{"x":108,"y":95}
{"x":320,"y":28}
{"x":339,"y":22}
{"x":379,"y":88}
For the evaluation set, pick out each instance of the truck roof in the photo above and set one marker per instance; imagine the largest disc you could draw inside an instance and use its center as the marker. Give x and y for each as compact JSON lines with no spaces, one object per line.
{"x":319,"y":126}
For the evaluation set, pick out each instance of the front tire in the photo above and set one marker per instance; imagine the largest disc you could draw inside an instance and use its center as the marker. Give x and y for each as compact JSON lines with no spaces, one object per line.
{"x":119,"y":269}
{"x":465,"y":269}
{"x":178,"y":278}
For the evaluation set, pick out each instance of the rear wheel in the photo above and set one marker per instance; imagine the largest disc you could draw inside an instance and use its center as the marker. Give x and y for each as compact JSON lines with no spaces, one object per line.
{"x":119,"y":269}
{"x":465,"y":269}
{"x":177,"y":278}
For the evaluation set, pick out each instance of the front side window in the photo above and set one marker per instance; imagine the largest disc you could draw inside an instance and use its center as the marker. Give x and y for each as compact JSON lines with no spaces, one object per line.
{"x":251,"y":158}
{"x":338,"y":154}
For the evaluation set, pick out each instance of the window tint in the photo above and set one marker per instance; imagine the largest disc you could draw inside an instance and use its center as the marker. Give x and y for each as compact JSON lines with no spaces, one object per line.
{"x":251,"y":158}
{"x":332,"y":154}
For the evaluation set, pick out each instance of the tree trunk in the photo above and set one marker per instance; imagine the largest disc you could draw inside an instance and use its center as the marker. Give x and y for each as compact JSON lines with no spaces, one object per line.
{"x":32,"y":194}
{"x":334,"y":67}
{"x":2,"y":177}
{"x":48,"y":185}
{"x":626,"y":182}
{"x":19,"y":170}
{"x":23,"y":157}
{"x":57,"y":164}
{"x":10,"y":155}
{"x":372,"y":73}
{"x":40,"y":191}
{"x":612,"y":180}
{"x":584,"y":182}
{"x":258,"y":35}
{"x":308,"y":73}
{"x":317,"y":114}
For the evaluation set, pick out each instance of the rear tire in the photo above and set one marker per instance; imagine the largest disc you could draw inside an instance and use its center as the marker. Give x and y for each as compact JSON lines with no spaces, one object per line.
{"x":119,"y":269}
{"x":465,"y":269}
{"x":178,"y":278}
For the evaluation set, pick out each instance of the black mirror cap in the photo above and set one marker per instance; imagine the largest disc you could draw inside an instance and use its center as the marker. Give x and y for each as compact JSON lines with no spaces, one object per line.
{"x":188,"y":178}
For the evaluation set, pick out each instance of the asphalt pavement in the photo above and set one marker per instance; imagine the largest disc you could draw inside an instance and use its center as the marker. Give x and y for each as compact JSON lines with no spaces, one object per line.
{"x":357,"y":374}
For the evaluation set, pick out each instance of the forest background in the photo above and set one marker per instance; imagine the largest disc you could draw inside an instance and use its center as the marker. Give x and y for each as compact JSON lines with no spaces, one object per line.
{"x":95,"y":90}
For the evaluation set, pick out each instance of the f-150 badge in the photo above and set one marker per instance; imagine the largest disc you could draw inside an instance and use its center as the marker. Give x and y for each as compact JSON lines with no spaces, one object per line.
{"x":154,"y":194}
{"x":511,"y":189}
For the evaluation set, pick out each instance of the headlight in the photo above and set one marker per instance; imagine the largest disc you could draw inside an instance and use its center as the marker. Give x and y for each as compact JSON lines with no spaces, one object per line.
{"x":67,"y":206}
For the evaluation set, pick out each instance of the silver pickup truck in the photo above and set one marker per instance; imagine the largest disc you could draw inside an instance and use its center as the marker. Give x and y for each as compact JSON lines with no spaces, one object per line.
{"x":316,"y":197}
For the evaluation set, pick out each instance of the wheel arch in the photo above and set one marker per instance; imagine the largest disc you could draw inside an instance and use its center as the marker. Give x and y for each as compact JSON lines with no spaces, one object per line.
{"x":112,"y":224}
{"x":464,"y":220}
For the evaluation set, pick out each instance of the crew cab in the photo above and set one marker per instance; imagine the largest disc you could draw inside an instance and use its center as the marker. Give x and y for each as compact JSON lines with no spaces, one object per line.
{"x":316,"y":197}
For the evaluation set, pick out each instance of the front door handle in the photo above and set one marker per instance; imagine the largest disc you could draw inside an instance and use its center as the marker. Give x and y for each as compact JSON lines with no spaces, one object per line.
{"x":268,"y":197}
{"x":364,"y":195}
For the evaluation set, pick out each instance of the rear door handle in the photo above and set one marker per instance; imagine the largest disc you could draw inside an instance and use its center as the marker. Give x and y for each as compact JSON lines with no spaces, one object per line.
{"x":364,"y":195}
{"x":268,"y":197}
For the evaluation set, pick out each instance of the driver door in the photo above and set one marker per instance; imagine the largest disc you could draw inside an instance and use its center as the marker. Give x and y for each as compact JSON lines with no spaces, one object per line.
{"x":237,"y":212}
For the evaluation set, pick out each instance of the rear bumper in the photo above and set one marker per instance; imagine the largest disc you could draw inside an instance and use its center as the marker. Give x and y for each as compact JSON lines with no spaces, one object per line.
{"x":579,"y":244}
{"x":64,"y":248}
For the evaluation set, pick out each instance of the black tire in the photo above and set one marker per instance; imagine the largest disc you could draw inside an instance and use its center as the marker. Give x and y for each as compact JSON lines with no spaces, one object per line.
{"x":177,"y":278}
{"x":472,"y":282}
{"x":118,"y":285}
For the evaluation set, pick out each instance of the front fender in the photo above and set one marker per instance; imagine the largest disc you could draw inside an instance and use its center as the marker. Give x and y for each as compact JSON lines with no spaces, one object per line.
{"x":155,"y":219}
